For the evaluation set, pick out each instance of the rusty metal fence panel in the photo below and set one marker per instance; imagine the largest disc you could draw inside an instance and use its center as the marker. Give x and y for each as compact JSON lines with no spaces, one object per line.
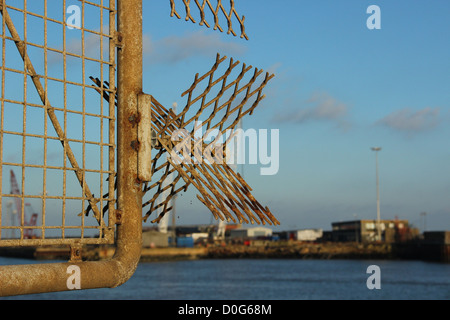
{"x":75,"y":151}
{"x":57,"y":133}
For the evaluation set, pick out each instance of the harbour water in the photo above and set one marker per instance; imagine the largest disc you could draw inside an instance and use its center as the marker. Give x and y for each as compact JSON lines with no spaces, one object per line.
{"x":270,"y":279}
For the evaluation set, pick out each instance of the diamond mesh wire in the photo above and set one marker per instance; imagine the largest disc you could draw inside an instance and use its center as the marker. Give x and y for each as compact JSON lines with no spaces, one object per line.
{"x":229,"y":15}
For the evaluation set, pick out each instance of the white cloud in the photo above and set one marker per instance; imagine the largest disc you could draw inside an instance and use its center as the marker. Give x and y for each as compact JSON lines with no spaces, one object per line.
{"x":409,"y":121}
{"x":171,"y":49}
{"x":321,"y":107}
{"x":174,"y":49}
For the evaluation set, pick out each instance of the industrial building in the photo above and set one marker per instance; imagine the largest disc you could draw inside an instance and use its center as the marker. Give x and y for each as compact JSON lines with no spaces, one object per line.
{"x":366,"y":231}
{"x":155,"y":239}
{"x":250,"y":233}
{"x":302,"y":235}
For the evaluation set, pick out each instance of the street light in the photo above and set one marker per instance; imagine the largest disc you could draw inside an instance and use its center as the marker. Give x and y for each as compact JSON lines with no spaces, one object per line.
{"x":376,"y":149}
{"x":424,"y":215}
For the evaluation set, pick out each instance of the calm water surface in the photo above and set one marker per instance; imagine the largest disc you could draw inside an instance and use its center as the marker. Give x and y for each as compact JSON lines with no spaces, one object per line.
{"x":271,"y":279}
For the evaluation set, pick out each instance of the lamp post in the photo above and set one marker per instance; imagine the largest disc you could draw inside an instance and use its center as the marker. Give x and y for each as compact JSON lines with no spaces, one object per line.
{"x":424,"y":215}
{"x":376,"y":149}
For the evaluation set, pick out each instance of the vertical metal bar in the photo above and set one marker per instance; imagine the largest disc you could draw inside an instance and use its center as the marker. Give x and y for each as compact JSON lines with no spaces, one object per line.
{"x":44,"y":190}
{"x":378,"y":199}
{"x":83,"y":102}
{"x":112,"y":110}
{"x":101,"y":114}
{"x":24,"y":125}
{"x":2,"y":122}
{"x":129,"y":86}
{"x":65,"y":145}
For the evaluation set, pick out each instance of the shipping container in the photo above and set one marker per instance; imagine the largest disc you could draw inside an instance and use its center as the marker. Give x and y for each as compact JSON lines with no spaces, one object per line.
{"x":185,"y":242}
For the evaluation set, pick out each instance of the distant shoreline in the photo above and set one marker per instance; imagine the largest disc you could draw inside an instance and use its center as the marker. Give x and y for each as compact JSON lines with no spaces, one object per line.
{"x":263,"y":250}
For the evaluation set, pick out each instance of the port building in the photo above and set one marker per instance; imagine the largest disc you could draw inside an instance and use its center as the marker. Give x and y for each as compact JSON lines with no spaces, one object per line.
{"x":249,"y":233}
{"x":366,"y":231}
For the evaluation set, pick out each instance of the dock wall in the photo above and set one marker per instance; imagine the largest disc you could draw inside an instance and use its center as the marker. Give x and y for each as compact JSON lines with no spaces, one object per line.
{"x":293,"y":250}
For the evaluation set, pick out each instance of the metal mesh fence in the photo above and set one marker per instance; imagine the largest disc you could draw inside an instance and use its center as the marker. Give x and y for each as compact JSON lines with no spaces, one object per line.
{"x":219,"y":12}
{"x":57,"y":133}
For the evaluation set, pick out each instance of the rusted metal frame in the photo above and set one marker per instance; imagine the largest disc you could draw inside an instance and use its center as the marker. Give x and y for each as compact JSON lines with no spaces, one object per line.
{"x":129,"y":189}
{"x":44,"y":187}
{"x":2,"y":115}
{"x":43,"y":136}
{"x":38,"y":278}
{"x":112,"y":122}
{"x":55,"y":109}
{"x":21,"y":47}
{"x":23,"y":232}
{"x":50,"y":241}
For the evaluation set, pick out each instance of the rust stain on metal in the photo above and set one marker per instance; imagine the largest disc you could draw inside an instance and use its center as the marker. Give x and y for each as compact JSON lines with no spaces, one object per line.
{"x":134,"y":119}
{"x":75,"y":252}
{"x":135,"y":145}
{"x":118,"y":216}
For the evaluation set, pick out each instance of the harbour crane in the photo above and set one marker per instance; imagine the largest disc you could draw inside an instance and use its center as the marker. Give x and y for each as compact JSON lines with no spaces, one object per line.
{"x":28,"y":209}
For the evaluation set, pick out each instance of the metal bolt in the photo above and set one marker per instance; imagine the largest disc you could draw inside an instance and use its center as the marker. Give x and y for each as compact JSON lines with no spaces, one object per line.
{"x":135,"y":145}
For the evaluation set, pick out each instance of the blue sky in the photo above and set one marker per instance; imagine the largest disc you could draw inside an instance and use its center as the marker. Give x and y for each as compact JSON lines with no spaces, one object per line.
{"x":339,"y":90}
